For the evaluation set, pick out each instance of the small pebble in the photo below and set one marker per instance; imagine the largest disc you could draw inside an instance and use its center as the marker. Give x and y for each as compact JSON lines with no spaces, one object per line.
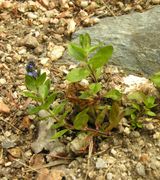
{"x":127,"y":130}
{"x":156,"y":1}
{"x":150,"y":126}
{"x":7,"y":133}
{"x":84,"y":4}
{"x":2,"y":81}
{"x":113,"y":152}
{"x":140,"y":169}
{"x":156,"y":135}
{"x":109,"y":176}
{"x":32,"y":15}
{"x":135,"y":134}
{"x":100,"y":164}
{"x":44,"y":61}
{"x":8,"y":164}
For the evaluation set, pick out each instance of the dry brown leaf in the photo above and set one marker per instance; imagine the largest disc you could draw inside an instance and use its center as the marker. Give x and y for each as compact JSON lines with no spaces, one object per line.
{"x":4,"y":108}
{"x":45,"y":174}
{"x":26,"y":123}
{"x":37,"y":161}
{"x":15,"y":152}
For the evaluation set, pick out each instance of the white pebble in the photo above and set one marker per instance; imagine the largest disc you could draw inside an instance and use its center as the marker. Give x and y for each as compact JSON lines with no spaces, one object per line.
{"x":100,"y":163}
{"x":2,"y":81}
{"x":109,"y":176}
{"x":32,"y":15}
{"x":156,"y":135}
{"x":113,"y":152}
{"x":8,"y":164}
{"x":127,"y":130}
{"x":150,"y":126}
{"x":84,"y":4}
{"x":44,"y":60}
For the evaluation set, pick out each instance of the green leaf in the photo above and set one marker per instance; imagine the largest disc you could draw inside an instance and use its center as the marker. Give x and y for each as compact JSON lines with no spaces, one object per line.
{"x":93,"y":48}
{"x":100,"y":117}
{"x":156,"y":79}
{"x":58,"y":125}
{"x":85,"y":41}
{"x":30,"y":83}
{"x":138,"y":96}
{"x":59,"y":108}
{"x":81,"y":120}
{"x":95,"y":88}
{"x":43,"y":91}
{"x":136,"y":124}
{"x":77,"y":52}
{"x":59,"y":133}
{"x":32,"y":95}
{"x":34,"y":110}
{"x":150,"y":113}
{"x":48,"y":83}
{"x":85,"y":95}
{"x":129,"y":111}
{"x":133,"y":116}
{"x":136,"y":106}
{"x":113,"y":94}
{"x":49,"y":100}
{"x":101,"y":57}
{"x":40,"y":79}
{"x":149,"y":102}
{"x":98,"y":72}
{"x":115,"y":115}
{"x":77,"y":74}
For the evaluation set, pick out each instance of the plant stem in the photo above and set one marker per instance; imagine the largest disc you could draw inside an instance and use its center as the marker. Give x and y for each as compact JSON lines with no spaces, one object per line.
{"x":92,"y":73}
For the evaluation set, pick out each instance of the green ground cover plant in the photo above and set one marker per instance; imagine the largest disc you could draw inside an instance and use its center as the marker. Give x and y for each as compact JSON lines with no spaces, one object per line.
{"x":140,"y":105}
{"x":85,"y":109}
{"x":81,"y":108}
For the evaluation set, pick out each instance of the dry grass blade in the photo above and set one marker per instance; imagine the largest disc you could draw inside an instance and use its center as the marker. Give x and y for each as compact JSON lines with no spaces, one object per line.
{"x":89,"y":157}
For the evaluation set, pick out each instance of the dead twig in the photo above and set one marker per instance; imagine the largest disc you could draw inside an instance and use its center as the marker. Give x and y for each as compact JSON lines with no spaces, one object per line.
{"x":89,"y":157}
{"x":11,"y":125}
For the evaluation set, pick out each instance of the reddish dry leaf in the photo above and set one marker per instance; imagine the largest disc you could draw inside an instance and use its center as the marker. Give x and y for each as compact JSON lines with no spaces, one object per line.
{"x":26,"y":123}
{"x":4,"y":108}
{"x":45,"y":174}
{"x":15,"y":152}
{"x":37,"y":161}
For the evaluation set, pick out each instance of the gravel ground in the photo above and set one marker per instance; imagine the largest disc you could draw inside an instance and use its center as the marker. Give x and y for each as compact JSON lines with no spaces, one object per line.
{"x":40,"y":30}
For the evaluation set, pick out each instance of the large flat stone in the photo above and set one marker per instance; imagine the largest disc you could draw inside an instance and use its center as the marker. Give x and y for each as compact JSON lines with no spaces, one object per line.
{"x":135,"y":38}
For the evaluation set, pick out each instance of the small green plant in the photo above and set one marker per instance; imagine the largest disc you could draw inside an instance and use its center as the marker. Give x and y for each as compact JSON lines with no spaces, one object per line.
{"x":84,"y":109}
{"x":38,"y":89}
{"x":140,"y":105}
{"x":156,"y":79}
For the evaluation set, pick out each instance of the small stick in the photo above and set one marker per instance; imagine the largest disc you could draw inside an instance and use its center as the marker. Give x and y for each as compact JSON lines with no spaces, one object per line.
{"x":89,"y":156}
{"x":10,"y":125}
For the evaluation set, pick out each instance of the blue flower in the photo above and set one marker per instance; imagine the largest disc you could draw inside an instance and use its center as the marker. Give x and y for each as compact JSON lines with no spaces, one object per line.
{"x":31,"y":69}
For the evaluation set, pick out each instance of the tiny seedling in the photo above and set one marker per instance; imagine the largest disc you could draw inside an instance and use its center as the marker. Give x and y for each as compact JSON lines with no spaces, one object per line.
{"x":140,"y":105}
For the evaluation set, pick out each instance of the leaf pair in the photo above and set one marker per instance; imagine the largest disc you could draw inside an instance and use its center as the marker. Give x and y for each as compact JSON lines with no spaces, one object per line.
{"x":94,"y":88}
{"x":84,"y":52}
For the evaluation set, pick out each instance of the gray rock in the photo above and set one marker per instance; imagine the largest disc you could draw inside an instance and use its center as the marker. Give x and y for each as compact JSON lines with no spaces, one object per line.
{"x":30,"y":41}
{"x":100,"y":163}
{"x":140,"y":169}
{"x":44,"y":136}
{"x":135,"y":38}
{"x":79,"y":143}
{"x":7,"y":143}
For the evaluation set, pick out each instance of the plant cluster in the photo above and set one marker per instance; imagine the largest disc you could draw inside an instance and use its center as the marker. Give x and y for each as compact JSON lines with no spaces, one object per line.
{"x":86,"y":108}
